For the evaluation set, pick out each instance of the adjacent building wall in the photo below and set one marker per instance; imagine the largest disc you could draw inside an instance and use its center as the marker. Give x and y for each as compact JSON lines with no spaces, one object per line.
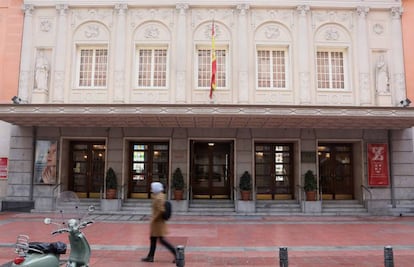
{"x":11,"y":24}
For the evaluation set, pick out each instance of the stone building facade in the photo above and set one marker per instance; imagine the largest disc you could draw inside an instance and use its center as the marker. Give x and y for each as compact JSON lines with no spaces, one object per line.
{"x":316,"y":86}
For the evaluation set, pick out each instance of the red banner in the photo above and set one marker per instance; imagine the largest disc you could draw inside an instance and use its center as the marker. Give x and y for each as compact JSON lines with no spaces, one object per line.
{"x":378,"y":165}
{"x":3,"y":168}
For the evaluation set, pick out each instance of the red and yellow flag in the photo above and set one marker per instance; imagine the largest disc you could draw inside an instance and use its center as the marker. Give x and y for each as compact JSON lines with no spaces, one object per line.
{"x":213,"y":62}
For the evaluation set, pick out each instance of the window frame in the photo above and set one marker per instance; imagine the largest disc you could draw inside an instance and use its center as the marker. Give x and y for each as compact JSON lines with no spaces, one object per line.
{"x":346,"y":71}
{"x":287,"y":67}
{"x":94,"y":47}
{"x":227,"y":66}
{"x":151,"y":47}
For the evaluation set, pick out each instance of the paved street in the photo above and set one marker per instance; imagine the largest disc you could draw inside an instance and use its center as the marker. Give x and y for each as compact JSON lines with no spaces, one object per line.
{"x":232,"y":240}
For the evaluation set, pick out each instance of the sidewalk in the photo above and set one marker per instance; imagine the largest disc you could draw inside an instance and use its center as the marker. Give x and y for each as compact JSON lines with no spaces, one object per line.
{"x":232,"y":240}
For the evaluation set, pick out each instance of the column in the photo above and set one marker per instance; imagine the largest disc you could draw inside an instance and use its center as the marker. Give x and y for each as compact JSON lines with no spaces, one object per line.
{"x":363,"y":57}
{"x":303,"y":40}
{"x":60,"y":55}
{"x":398,"y":75}
{"x":26,"y":54}
{"x":243,"y":87}
{"x":180,"y":86}
{"x":119,"y":79}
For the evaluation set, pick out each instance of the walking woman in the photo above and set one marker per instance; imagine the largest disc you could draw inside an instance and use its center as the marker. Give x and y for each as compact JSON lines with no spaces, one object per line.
{"x":158,"y":227}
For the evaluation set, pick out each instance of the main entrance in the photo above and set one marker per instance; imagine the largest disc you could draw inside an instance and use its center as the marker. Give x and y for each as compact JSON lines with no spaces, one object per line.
{"x":149,"y":163}
{"x":87,"y":161}
{"x":336,"y":171}
{"x":211,"y":169}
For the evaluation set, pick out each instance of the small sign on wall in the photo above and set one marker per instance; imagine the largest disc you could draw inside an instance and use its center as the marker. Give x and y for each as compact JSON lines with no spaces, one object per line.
{"x":378,"y":174}
{"x":3,"y":167}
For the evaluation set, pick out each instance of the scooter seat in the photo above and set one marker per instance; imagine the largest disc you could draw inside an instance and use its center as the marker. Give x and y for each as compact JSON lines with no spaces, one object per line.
{"x":45,"y":247}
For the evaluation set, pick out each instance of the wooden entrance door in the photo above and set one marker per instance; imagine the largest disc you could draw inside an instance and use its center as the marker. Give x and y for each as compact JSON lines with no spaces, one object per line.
{"x":86,"y":176}
{"x":149,"y":163}
{"x":274,"y":171}
{"x":211,"y":169}
{"x":336,"y":171}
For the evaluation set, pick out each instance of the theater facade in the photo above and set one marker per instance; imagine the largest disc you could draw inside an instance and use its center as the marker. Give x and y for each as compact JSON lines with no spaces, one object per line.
{"x":317,"y":87}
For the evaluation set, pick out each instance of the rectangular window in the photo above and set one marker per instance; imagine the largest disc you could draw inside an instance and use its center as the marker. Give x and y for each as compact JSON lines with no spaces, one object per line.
{"x":204,"y":68}
{"x":330,"y":69}
{"x":93,"y":67}
{"x":271,"y":69}
{"x":152,"y":67}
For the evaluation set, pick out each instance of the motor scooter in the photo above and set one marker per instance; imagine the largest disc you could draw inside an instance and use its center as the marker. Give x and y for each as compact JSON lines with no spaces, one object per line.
{"x":45,"y":254}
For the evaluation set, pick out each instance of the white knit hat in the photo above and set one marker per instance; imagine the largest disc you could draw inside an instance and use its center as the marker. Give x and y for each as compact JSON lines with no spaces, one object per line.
{"x":157,"y":187}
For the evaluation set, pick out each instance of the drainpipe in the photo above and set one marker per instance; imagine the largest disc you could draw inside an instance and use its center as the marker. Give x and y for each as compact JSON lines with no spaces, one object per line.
{"x":390,"y":169}
{"x":33,"y":161}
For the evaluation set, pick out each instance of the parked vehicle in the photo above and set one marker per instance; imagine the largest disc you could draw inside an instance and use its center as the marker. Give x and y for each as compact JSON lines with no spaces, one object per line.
{"x":45,"y":254}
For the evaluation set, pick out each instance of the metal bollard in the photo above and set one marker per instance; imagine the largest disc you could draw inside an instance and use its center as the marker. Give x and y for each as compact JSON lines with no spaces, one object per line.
{"x":388,"y":257}
{"x":283,"y":257}
{"x":179,"y":258}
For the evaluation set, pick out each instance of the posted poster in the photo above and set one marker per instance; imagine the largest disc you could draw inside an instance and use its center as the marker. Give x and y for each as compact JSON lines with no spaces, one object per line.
{"x":378,"y":174}
{"x":3,"y":167}
{"x":45,"y":162}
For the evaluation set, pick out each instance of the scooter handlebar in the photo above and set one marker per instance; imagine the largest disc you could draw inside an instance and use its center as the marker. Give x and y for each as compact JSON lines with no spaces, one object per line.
{"x":59,"y":231}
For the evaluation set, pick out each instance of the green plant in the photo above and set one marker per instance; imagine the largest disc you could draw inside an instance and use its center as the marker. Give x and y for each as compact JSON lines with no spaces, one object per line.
{"x":111,"y":180}
{"x":245,"y":183}
{"x":310,"y":181}
{"x":178,"y":180}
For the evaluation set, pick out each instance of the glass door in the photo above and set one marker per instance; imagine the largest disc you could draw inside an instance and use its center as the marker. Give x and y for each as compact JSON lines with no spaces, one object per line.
{"x":211,"y":169}
{"x":336,"y":171}
{"x":88,"y":168}
{"x":149,"y":163}
{"x":274,"y":171}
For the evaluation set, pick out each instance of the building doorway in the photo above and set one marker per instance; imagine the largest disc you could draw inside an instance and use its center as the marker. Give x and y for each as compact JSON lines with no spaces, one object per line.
{"x":274,"y":171}
{"x":336,"y":171}
{"x":86,"y":176}
{"x":149,"y":162}
{"x":211,"y":169}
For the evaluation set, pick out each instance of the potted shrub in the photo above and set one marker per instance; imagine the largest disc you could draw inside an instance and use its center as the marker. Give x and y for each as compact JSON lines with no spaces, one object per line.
{"x":178,"y":184}
{"x":310,"y":186}
{"x":111,"y":184}
{"x":245,"y":185}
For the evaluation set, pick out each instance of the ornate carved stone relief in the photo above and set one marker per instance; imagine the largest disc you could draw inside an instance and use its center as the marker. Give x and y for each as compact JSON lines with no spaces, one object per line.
{"x":163,"y":15}
{"x":153,"y":31}
{"x":80,"y":16}
{"x":45,"y":24}
{"x":344,"y":18}
{"x":284,"y":17}
{"x":225,"y":16}
{"x":92,"y":31}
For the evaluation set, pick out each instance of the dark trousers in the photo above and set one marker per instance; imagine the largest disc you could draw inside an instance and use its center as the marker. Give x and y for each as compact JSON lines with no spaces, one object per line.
{"x":164,"y":242}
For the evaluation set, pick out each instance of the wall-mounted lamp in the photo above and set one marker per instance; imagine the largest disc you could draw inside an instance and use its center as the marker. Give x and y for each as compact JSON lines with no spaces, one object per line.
{"x":405,"y":103}
{"x":16,"y":100}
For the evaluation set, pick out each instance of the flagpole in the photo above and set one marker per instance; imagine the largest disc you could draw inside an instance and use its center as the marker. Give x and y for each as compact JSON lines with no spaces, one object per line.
{"x":213,"y":61}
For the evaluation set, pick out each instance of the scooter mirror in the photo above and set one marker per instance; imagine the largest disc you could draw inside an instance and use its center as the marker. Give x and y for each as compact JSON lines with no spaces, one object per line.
{"x":47,"y":221}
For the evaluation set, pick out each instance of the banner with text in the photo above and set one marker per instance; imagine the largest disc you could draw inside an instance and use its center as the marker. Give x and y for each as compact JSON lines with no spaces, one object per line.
{"x":378,"y":174}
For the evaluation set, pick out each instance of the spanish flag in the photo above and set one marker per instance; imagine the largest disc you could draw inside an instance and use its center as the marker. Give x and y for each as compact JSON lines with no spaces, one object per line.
{"x":213,"y":62}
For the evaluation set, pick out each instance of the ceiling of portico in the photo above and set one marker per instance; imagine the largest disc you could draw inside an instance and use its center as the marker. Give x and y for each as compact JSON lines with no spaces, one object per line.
{"x":207,"y":116}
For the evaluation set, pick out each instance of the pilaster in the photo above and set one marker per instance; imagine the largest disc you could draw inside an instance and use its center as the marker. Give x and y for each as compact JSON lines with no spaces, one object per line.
{"x":180,"y":89}
{"x":60,"y":55}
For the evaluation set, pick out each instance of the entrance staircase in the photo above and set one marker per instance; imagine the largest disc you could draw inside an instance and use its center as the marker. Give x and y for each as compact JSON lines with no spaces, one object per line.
{"x":219,"y":207}
{"x":278,"y":207}
{"x":343,"y":208}
{"x":225,"y":207}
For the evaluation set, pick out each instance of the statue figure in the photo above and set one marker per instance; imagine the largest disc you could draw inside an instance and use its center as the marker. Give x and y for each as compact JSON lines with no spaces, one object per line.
{"x":382,"y":76}
{"x":42,"y":71}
